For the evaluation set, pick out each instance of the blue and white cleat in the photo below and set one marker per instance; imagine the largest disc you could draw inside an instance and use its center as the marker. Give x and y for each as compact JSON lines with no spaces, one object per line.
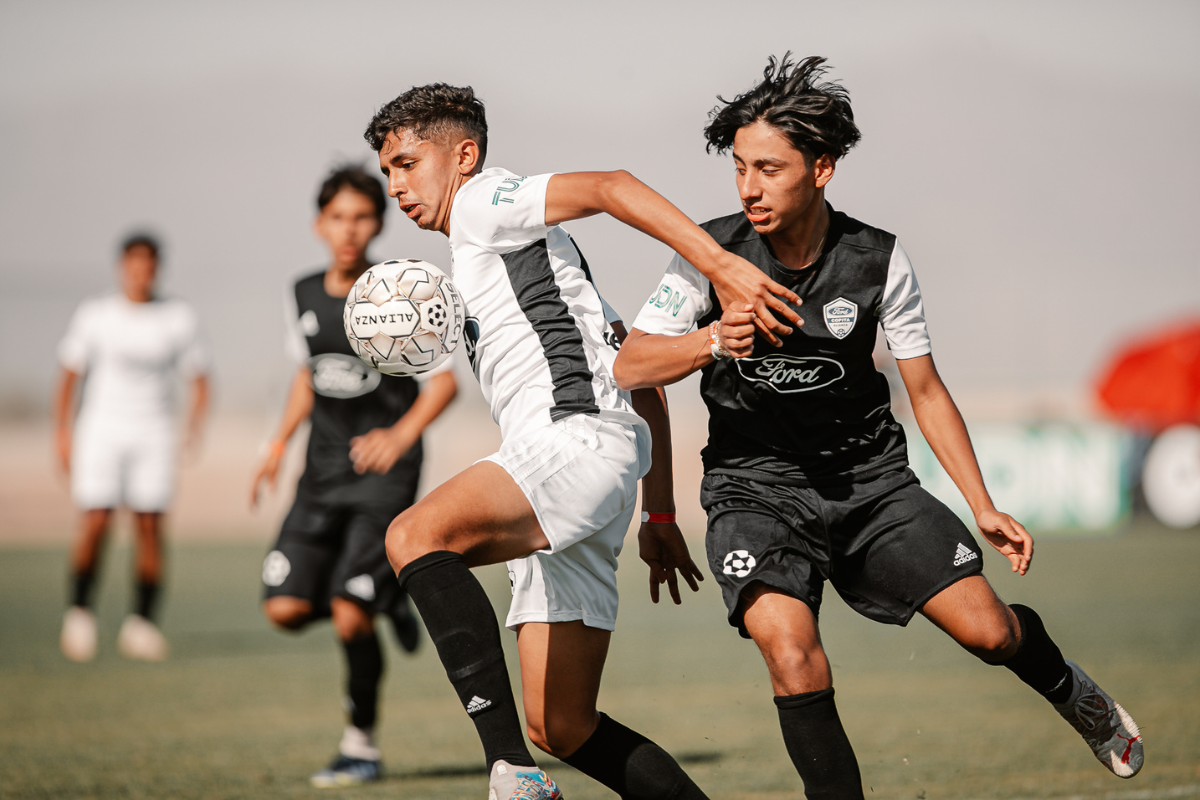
{"x":348,"y":771}
{"x":520,"y":783}
{"x":1106,"y":727}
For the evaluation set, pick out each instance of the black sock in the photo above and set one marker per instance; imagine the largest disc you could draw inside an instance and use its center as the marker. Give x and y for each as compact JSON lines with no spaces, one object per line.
{"x":364,"y":669}
{"x":817,"y":743}
{"x":1038,"y":661}
{"x":462,"y":626}
{"x":81,"y":588}
{"x":147,"y":596}
{"x":631,"y":765}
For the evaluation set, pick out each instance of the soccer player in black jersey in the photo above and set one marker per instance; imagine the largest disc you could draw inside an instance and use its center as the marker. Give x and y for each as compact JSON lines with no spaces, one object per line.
{"x":806,"y":470}
{"x":361,"y":470}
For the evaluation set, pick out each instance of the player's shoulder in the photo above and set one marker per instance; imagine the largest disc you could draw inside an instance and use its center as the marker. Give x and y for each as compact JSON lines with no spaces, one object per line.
{"x":730,"y":230}
{"x":483,"y":187}
{"x":859,"y":235}
{"x":309,"y":281}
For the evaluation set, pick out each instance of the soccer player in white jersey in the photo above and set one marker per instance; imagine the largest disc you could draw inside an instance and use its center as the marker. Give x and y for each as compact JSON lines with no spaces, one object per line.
{"x":806,"y":470}
{"x":556,"y":500}
{"x":133,"y":347}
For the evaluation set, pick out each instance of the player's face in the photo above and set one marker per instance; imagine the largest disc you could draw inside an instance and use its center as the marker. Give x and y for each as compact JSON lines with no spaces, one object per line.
{"x":348,"y":223}
{"x":139,"y":268}
{"x":423,"y":175}
{"x":776,"y":185}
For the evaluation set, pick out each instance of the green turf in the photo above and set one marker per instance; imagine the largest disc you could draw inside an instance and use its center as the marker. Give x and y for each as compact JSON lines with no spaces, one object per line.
{"x":242,"y":711}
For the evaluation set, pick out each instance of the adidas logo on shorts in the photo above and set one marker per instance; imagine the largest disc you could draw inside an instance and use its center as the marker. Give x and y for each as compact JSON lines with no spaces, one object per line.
{"x":962,"y":555}
{"x":477,"y":704}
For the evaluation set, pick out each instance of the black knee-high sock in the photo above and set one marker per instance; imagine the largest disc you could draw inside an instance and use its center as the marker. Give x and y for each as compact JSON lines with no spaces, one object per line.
{"x":147,"y":598}
{"x":364,"y":669}
{"x":631,"y":765}
{"x":1038,"y":661}
{"x":462,"y":626}
{"x":817,"y":743}
{"x":81,"y":588}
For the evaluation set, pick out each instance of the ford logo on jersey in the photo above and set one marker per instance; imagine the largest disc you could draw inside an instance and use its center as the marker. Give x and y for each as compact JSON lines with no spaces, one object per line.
{"x":788,"y":374}
{"x":342,"y":376}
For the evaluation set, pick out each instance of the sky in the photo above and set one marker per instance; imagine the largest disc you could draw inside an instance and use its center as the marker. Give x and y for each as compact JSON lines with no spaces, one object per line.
{"x":1038,"y":161}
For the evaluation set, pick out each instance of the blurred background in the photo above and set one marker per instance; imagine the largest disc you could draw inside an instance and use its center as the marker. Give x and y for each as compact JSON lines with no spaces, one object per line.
{"x":1037,"y":160}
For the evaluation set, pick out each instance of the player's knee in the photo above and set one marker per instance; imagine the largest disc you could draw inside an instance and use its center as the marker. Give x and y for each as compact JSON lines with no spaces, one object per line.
{"x":796,"y":669}
{"x":350,"y":621}
{"x":992,"y":640}
{"x":289,"y":613}
{"x":407,"y":540}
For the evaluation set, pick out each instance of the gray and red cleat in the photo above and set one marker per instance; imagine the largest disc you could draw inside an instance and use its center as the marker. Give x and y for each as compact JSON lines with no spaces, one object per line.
{"x":1106,"y":727}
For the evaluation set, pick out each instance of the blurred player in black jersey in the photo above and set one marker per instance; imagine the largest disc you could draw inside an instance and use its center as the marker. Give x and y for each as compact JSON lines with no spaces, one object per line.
{"x":806,"y":470}
{"x":361,"y":470}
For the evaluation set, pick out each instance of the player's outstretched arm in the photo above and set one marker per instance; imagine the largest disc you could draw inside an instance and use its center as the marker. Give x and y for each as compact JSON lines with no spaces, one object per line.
{"x":64,"y":406}
{"x":620,"y":195}
{"x":378,"y":450}
{"x":197,"y":413}
{"x":944,"y":429}
{"x":299,"y":406}
{"x":651,"y":359}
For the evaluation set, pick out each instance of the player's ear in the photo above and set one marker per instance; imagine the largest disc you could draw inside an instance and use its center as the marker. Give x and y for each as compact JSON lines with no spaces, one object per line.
{"x":467,"y":154}
{"x":823,"y":169}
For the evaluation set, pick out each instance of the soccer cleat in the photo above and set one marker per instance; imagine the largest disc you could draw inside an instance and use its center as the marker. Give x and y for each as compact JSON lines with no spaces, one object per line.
{"x":520,"y":783}
{"x":348,"y":771}
{"x":404,"y":622}
{"x":1106,"y":727}
{"x":141,"y":640}
{"x":78,"y":639}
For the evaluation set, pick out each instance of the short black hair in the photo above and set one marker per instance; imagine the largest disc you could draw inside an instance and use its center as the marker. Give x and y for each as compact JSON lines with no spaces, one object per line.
{"x":432,"y":112}
{"x":815,"y":116}
{"x":141,"y":239}
{"x":353,"y":176}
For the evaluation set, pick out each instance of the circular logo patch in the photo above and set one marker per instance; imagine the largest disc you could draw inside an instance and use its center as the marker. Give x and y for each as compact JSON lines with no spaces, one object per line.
{"x":276,"y":568}
{"x":739,"y":563}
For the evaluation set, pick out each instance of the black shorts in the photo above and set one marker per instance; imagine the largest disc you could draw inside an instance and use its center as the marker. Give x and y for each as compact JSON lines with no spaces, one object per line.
{"x":886,"y":545}
{"x":326,"y":550}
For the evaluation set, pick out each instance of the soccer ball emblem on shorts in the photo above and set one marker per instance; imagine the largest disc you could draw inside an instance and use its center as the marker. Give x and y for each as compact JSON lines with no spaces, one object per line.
{"x":739,"y":563}
{"x":404,"y":317}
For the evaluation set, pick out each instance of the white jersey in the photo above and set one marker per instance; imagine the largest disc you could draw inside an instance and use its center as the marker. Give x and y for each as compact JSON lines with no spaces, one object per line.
{"x":133,"y":355}
{"x":538,"y":333}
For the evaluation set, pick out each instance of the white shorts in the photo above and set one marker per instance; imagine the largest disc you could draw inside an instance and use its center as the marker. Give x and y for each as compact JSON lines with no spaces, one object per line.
{"x":123,"y":465}
{"x":580,"y":475}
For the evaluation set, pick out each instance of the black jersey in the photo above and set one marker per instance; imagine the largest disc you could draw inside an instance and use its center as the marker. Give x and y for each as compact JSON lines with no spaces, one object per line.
{"x":349,"y":399}
{"x":815,"y":410}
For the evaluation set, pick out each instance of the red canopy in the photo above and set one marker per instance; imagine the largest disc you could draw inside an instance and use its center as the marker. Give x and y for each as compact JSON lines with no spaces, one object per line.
{"x":1155,"y":383}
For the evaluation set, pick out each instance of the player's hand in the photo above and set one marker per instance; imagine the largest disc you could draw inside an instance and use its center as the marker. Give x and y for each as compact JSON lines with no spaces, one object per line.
{"x":378,"y":450}
{"x":662,"y":547}
{"x":739,"y":282}
{"x":1008,"y":536}
{"x":267,"y":471}
{"x":62,"y":446}
{"x":736,"y":330}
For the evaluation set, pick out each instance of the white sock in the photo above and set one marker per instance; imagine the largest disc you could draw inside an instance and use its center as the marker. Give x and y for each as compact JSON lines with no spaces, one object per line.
{"x":358,"y":743}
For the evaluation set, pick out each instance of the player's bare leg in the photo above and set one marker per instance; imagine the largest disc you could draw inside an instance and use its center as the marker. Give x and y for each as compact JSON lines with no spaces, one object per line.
{"x":78,"y":638}
{"x":1014,"y":637}
{"x":482,"y":517}
{"x":289,"y":613}
{"x":139,"y":637}
{"x":785,"y":630}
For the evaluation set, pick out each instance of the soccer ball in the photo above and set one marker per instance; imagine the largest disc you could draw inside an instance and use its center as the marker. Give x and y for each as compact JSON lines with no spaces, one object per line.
{"x":738,"y":563}
{"x":404,"y":317}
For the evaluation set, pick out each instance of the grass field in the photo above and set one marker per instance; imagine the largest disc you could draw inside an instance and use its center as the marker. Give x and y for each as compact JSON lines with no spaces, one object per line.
{"x":241,"y":711}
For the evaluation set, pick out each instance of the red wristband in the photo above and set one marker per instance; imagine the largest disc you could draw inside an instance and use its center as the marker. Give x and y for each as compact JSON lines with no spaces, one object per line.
{"x":666,"y":517}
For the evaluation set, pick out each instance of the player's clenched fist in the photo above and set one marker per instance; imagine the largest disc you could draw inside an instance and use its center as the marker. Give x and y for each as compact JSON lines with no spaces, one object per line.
{"x":735,"y":330}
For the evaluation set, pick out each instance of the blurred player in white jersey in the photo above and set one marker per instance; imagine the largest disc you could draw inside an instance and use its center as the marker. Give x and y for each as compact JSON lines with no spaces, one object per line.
{"x":556,"y":500}
{"x":361,"y":469}
{"x":132,"y":348}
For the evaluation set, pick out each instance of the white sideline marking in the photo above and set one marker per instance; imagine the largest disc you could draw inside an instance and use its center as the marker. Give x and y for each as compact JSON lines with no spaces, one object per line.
{"x":1139,"y":794}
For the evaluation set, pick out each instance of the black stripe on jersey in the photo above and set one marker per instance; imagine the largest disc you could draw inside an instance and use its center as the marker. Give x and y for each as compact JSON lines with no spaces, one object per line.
{"x":532,"y":281}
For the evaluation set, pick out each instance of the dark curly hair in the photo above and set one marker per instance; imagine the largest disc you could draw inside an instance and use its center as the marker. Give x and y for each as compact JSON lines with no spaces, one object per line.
{"x":353,"y":176}
{"x":815,"y":116}
{"x":431,"y":112}
{"x":141,"y":239}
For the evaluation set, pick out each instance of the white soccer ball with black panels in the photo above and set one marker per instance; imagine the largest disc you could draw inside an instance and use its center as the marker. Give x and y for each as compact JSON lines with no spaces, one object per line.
{"x":404,"y":317}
